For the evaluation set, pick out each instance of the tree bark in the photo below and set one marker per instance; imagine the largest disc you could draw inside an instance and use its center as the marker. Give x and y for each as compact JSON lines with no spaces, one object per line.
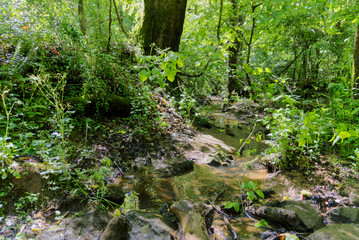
{"x":162,"y":24}
{"x":82,"y":18}
{"x":109,"y":28}
{"x":119,"y":18}
{"x":234,"y":51}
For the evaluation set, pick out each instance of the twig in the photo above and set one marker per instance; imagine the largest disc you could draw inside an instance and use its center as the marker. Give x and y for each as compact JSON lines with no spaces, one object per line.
{"x":226,"y":221}
{"x":244,"y":143}
{"x":201,"y":72}
{"x":230,"y":229}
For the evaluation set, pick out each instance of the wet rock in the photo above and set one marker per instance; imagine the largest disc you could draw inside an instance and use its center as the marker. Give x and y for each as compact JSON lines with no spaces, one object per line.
{"x":275,"y":215}
{"x":147,"y":226}
{"x":354,"y":197}
{"x":192,"y":219}
{"x":308,"y":213}
{"x":115,"y":193}
{"x":168,"y":216}
{"x":117,"y":229}
{"x":173,"y":166}
{"x":87,"y":226}
{"x":300,"y":215}
{"x":215,"y":163}
{"x":221,"y":159}
{"x":343,"y":215}
{"x":336,"y":232}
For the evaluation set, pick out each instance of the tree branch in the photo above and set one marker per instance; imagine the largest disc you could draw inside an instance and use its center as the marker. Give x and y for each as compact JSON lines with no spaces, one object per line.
{"x":119,"y":19}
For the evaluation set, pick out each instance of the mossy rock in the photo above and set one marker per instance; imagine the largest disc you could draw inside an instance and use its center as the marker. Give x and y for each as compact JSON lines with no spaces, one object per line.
{"x":112,"y":106}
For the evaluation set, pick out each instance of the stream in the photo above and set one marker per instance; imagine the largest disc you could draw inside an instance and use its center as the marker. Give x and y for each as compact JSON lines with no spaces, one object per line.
{"x":197,"y":171}
{"x":216,"y":184}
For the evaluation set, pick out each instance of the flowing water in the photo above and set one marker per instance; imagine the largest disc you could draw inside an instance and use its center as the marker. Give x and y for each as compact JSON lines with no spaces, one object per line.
{"x":205,"y":182}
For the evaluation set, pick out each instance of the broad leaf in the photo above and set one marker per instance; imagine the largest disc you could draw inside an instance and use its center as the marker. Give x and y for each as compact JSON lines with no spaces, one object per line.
{"x":143,"y":75}
{"x":260,"y":194}
{"x":251,"y":195}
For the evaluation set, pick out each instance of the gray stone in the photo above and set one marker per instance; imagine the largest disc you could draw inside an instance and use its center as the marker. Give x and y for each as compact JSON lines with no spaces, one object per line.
{"x":276,"y":215}
{"x":354,"y":197}
{"x":300,"y":215}
{"x":147,"y":226}
{"x":343,"y":215}
{"x":172,"y":167}
{"x":214,"y":163}
{"x":192,"y":219}
{"x":336,"y":232}
{"x":84,"y":227}
{"x":221,"y":159}
{"x":117,"y":229}
{"x":307,"y":212}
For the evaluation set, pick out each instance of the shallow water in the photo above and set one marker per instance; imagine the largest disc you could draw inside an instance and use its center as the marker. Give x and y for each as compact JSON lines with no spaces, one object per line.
{"x":217,"y":184}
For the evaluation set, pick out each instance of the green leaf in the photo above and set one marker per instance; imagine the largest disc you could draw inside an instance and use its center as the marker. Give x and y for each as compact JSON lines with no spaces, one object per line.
{"x":252,"y":185}
{"x":180,"y":62}
{"x":244,"y":185}
{"x":16,"y":174}
{"x":262,"y":223}
{"x":143,"y":75}
{"x":289,"y":236}
{"x":260,"y":194}
{"x":228,"y":205}
{"x":251,"y":195}
{"x":4,"y":175}
{"x":161,"y":83}
{"x":344,"y":135}
{"x":302,"y":140}
{"x":236,"y":206}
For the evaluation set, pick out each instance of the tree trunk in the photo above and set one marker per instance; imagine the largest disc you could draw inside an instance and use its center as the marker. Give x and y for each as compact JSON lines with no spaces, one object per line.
{"x":82,"y":17}
{"x":356,"y":62}
{"x":162,"y":24}
{"x":233,"y":51}
{"x":109,"y":28}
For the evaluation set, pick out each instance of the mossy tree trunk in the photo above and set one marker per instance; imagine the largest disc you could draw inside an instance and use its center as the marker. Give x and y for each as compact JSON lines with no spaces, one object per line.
{"x":234,"y":52}
{"x":82,"y":18}
{"x":162,"y":24}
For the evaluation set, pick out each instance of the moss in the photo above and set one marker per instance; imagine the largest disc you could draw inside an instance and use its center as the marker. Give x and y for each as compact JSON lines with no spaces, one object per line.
{"x":113,"y":106}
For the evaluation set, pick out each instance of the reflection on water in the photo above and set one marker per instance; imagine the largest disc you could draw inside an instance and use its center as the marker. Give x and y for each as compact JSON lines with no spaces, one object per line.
{"x":152,"y":190}
{"x":231,"y":131}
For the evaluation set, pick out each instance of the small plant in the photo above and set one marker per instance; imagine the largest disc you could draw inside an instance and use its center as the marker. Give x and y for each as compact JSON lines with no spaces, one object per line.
{"x":186,"y":105}
{"x":356,"y":158}
{"x":253,"y":192}
{"x":27,"y":203}
{"x":54,"y":95}
{"x":262,"y":224}
{"x":130,"y":203}
{"x":8,"y":149}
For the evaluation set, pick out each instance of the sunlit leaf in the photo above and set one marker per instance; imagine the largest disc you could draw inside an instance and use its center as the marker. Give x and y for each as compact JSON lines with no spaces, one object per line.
{"x":251,"y":195}
{"x":143,"y":75}
{"x":236,"y":206}
{"x":260,"y":194}
{"x":228,"y":205}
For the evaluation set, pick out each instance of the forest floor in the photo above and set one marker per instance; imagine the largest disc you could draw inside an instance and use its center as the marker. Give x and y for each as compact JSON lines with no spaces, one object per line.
{"x":327,"y":182}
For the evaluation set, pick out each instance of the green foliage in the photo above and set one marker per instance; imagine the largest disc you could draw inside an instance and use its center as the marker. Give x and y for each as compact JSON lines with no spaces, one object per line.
{"x":130,"y":203}
{"x":262,"y":223}
{"x":234,"y":205}
{"x":253,"y":192}
{"x":187,"y":105}
{"x":27,"y":203}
